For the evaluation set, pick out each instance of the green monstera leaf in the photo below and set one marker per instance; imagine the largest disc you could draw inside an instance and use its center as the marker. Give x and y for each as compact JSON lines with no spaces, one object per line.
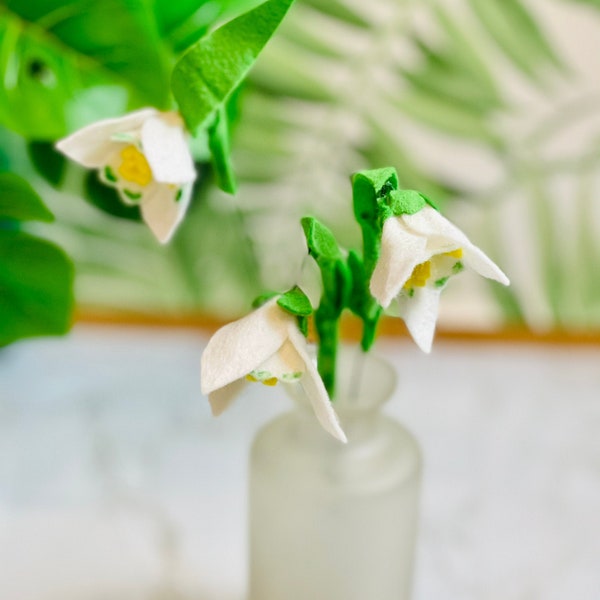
{"x":58,"y":58}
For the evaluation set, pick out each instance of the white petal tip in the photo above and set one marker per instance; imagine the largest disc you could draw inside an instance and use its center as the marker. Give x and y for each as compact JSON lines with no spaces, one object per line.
{"x":424,"y":344}
{"x":216,"y":410}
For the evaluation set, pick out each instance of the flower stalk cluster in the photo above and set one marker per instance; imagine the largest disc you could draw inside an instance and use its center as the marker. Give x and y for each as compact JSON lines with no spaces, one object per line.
{"x":409,"y":253}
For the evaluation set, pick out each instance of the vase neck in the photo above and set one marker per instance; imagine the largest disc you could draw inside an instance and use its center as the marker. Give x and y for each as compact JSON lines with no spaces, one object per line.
{"x":364,"y":383}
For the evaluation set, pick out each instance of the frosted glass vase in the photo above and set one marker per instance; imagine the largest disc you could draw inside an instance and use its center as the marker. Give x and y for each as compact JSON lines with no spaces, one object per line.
{"x":330,"y":521}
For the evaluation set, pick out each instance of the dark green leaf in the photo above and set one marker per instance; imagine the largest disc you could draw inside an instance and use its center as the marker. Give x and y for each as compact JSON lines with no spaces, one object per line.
{"x":215,"y":66}
{"x":18,"y":200}
{"x":36,"y":296}
{"x":48,"y":162}
{"x":106,"y":198}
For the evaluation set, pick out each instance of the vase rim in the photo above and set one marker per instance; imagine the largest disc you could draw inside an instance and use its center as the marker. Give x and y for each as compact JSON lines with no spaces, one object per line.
{"x":364,"y":382}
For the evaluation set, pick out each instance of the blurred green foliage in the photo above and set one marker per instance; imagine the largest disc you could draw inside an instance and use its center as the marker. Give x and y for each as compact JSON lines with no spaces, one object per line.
{"x":66,"y":64}
{"x":36,"y":277}
{"x":344,"y":86}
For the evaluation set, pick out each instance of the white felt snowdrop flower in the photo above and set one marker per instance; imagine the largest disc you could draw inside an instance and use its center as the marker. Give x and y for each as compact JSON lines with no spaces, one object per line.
{"x":419,"y":254}
{"x":266,"y":346}
{"x":144,"y":155}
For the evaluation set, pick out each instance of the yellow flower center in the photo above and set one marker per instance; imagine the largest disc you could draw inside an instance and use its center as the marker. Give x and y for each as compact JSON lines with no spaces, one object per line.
{"x":271,"y":381}
{"x":421,"y":273}
{"x":458,"y":253}
{"x":135,"y":167}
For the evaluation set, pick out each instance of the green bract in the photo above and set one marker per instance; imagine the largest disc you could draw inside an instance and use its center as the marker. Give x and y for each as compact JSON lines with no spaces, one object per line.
{"x":295,"y":302}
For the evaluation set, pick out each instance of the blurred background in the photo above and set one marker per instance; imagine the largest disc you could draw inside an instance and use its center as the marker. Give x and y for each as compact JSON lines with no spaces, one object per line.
{"x":490,"y":107}
{"x":115,"y":482}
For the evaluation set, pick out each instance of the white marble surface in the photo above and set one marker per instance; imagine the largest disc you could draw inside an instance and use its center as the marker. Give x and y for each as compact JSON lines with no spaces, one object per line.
{"x":116,"y":483}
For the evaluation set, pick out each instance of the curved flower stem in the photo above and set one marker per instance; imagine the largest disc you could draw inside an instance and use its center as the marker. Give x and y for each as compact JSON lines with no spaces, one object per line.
{"x":369,"y":188}
{"x":328,"y":331}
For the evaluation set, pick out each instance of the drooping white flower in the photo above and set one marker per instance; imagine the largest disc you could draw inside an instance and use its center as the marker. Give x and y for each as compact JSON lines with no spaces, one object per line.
{"x":266,"y":346}
{"x":144,"y":155}
{"x":419,"y":254}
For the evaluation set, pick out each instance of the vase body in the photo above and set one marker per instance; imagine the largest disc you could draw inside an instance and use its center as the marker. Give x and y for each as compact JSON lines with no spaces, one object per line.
{"x":333,"y":521}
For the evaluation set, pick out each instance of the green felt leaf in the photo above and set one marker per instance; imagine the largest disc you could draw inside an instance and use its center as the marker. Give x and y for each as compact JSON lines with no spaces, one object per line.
{"x":430,"y":202}
{"x":215,"y":66}
{"x":18,"y":200}
{"x":367,"y":188}
{"x":295,"y":302}
{"x":381,"y":180}
{"x":36,"y":280}
{"x":218,"y":142}
{"x":320,"y":240}
{"x":406,"y":202}
{"x":263,"y":299}
{"x":52,"y":53}
{"x":107,"y":199}
{"x":48,"y":162}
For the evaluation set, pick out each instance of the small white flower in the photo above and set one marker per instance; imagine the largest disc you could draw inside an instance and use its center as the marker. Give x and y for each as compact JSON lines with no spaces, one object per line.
{"x":265,"y":345}
{"x":419,"y":253}
{"x":144,"y":155}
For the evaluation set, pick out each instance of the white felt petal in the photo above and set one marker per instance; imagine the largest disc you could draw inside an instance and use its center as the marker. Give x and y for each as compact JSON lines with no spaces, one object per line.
{"x":313,"y":387}
{"x":444,"y":236}
{"x":420,"y":315}
{"x":401,"y":252}
{"x":240,"y":347}
{"x":166,"y":150}
{"x":93,"y":147}
{"x":222,"y":398}
{"x":475,"y":259}
{"x":161,"y":212}
{"x":286,"y":361}
{"x":441,"y":234}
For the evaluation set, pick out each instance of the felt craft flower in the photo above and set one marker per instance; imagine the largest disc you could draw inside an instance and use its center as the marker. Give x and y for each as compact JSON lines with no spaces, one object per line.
{"x":144,"y":155}
{"x":264,"y":346}
{"x":420,"y":252}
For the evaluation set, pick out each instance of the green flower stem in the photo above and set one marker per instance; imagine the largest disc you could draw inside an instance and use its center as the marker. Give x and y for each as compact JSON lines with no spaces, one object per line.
{"x":346,"y":280}
{"x":369,"y":188}
{"x":327,"y":328}
{"x":337,"y":288}
{"x":361,"y":303}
